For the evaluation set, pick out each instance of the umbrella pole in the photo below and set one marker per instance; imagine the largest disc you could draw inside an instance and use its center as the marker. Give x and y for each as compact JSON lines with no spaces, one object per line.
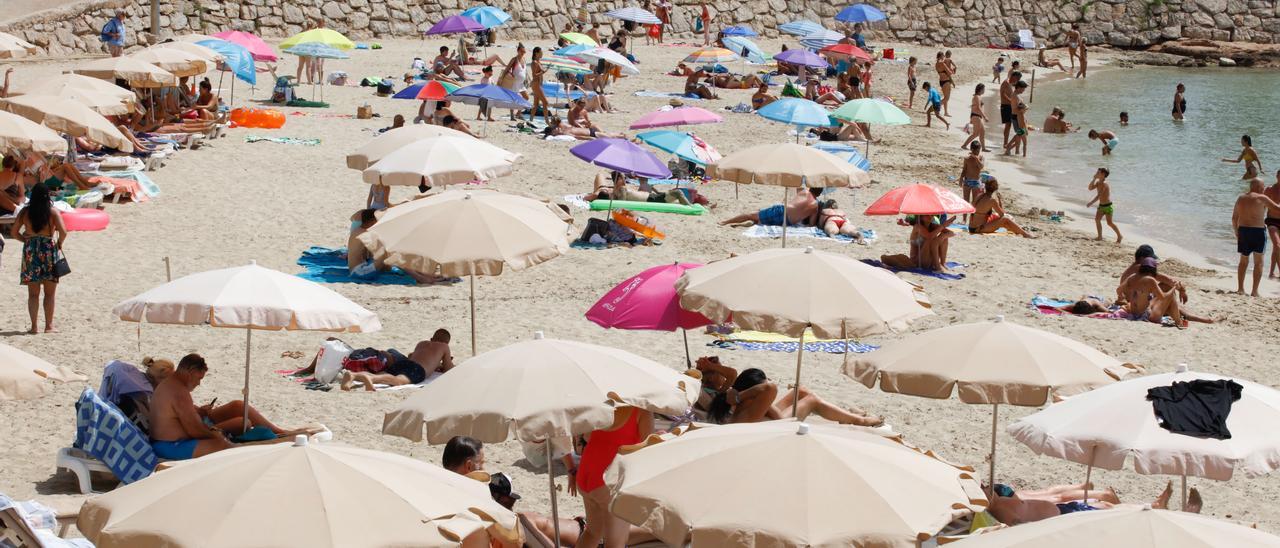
{"x":551,"y":480}
{"x":1184,"y":492}
{"x":991,"y":472}
{"x":221,"y":74}
{"x":1088,"y":473}
{"x":473,"y":314}
{"x":795,"y":400}
{"x":248,"y":352}
{"x":688,"y":364}
{"x":784,"y":221}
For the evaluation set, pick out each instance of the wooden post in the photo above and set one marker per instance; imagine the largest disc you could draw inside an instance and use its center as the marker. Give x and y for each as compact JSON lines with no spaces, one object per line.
{"x":1032,"y":98}
{"x":168,"y":271}
{"x":991,"y":478}
{"x":155,"y":17}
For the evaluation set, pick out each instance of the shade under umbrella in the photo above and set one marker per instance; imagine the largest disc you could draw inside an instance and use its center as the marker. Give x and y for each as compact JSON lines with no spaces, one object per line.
{"x":260,"y":50}
{"x":648,"y":301}
{"x":919,"y":199}
{"x":276,"y":495}
{"x":800,"y":27}
{"x":802,"y":58}
{"x":680,"y":488}
{"x":137,"y":72}
{"x":1131,"y":526}
{"x":787,"y":165}
{"x":796,"y":112}
{"x":68,"y":116}
{"x":860,"y":13}
{"x":395,"y":139}
{"x":443,"y":160}
{"x":21,"y":134}
{"x":487,"y":16}
{"x":23,"y":376}
{"x":634,"y":15}
{"x":622,"y":156}
{"x":680,"y":116}
{"x":12,"y":47}
{"x":177,"y":62}
{"x":328,"y":37}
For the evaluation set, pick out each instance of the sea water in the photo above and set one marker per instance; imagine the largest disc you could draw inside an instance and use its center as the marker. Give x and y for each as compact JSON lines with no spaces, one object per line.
{"x":1167,"y":177}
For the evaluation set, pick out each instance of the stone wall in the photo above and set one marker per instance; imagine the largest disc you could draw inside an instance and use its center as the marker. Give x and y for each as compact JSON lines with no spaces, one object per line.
{"x":1122,"y":23}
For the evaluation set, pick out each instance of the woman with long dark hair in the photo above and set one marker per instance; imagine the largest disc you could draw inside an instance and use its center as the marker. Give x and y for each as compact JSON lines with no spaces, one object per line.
{"x":36,"y":227}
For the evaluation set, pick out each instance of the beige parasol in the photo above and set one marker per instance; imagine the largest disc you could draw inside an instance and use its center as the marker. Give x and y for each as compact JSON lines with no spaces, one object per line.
{"x":248,"y":297}
{"x":989,"y":363}
{"x":13,"y":47}
{"x":392,"y":140}
{"x":541,"y":389}
{"x":783,"y":483}
{"x":194,"y":37}
{"x":207,"y":55}
{"x":177,"y":62}
{"x":68,"y":116}
{"x":1131,"y":526}
{"x":788,"y":290}
{"x":469,"y":232}
{"x":299,"y":494}
{"x":104,"y":98}
{"x":137,"y":72}
{"x":18,"y":133}
{"x":441,"y":160}
{"x":22,"y":375}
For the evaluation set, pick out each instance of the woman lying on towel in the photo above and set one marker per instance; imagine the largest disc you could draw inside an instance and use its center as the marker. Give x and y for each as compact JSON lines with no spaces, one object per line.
{"x":614,"y":187}
{"x":750,"y":397}
{"x":557,"y":127}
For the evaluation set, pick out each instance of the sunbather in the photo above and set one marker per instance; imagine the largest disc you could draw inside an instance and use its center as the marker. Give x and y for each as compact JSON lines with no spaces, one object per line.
{"x":753,"y":398}
{"x":614,"y":187}
{"x":835,"y":222}
{"x":454,"y":123}
{"x":1018,"y":507}
{"x":680,"y":70}
{"x":1084,"y":306}
{"x":802,"y":209}
{"x":206,"y":107}
{"x":446,"y":64}
{"x":847,"y":131}
{"x":823,"y":95}
{"x":989,"y":215}
{"x":762,"y":97}
{"x":13,"y":192}
{"x":595,"y":102}
{"x":1145,"y":298}
{"x":693,"y":85}
{"x":733,"y":81}
{"x":557,"y":127}
{"x":578,"y":116}
{"x":428,"y":357}
{"x":928,"y":244}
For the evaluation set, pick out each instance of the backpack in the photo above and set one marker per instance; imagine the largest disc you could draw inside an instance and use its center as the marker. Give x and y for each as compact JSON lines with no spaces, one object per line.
{"x":104,"y":35}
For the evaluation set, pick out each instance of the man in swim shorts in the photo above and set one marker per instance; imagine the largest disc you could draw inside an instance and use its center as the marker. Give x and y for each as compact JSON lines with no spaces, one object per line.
{"x":427,"y":358}
{"x":1015,"y":508}
{"x":1108,"y":139}
{"x":971,"y":173}
{"x":1007,"y":98}
{"x":1103,"y":198}
{"x":1248,"y":220}
{"x":801,"y":209}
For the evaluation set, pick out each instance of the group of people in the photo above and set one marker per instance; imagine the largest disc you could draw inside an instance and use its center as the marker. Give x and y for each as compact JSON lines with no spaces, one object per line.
{"x":803,"y":208}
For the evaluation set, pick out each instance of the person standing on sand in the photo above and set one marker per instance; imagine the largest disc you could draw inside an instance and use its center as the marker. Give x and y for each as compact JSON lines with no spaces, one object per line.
{"x":1252,"y":164}
{"x":703,"y":23}
{"x":977,"y":119}
{"x":1103,"y":199}
{"x":971,"y":174}
{"x":1007,"y":97}
{"x":1273,"y":227}
{"x":39,"y":227}
{"x":1248,"y":221}
{"x":911,"y":81}
{"x":1073,"y":44}
{"x":113,"y":34}
{"x":1179,"y":102}
{"x":935,"y":107}
{"x":1084,"y":61}
{"x":946,"y":80}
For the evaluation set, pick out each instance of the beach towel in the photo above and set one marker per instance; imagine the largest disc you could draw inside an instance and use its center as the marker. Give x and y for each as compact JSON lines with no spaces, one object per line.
{"x":666,"y":95}
{"x":921,"y":271}
{"x":327,"y":265}
{"x":303,"y":103}
{"x":771,"y":231}
{"x":310,"y":383}
{"x":576,"y":202}
{"x":105,"y":433}
{"x":125,"y":186}
{"x":774,"y":342}
{"x":1049,"y":306}
{"x":282,"y":140}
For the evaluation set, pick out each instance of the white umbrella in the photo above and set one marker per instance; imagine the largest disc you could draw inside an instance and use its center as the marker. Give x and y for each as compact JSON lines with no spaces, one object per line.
{"x":441,"y":160}
{"x":68,"y":116}
{"x":22,"y":375}
{"x":393,"y":140}
{"x":18,"y":133}
{"x":612,"y":57}
{"x":1131,"y":526}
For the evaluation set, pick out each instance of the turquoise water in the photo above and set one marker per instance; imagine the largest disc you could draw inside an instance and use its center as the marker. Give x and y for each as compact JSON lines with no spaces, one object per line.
{"x":1167,"y":177}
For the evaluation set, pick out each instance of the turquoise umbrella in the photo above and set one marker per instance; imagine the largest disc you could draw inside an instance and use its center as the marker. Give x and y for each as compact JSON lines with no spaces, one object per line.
{"x":796,"y":112}
{"x":746,"y":49}
{"x":487,"y":16}
{"x":237,"y":58}
{"x":682,"y":144}
{"x":318,"y":50}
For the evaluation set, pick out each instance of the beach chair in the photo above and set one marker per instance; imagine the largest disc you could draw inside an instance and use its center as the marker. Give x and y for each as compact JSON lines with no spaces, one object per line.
{"x":106,"y":441}
{"x":1026,"y":39}
{"x":35,"y":529}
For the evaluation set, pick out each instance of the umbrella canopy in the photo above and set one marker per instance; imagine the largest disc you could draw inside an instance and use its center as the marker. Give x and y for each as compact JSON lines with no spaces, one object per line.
{"x":539,"y":389}
{"x":487,"y":16}
{"x":236,"y":58}
{"x":455,"y":24}
{"x":328,"y":37}
{"x":105,"y":99}
{"x":430,"y":90}
{"x":803,"y":58}
{"x":819,"y":39}
{"x":678,"y":490}
{"x":786,"y":290}
{"x":497,"y":96}
{"x":846,"y":152}
{"x":711,"y":54}
{"x":800,"y":27}
{"x":647,"y":301}
{"x":21,"y":134}
{"x":317,"y":50}
{"x":860,"y":13}
{"x":68,"y":116}
{"x":275,"y":495}
{"x":683,"y":145}
{"x":635,"y":15}
{"x":796,"y":112}
{"x":571,"y":65}
{"x":12,"y":47}
{"x":1130,"y":525}
{"x":578,"y":38}
{"x":574,"y":49}
{"x":22,"y":375}
{"x":177,"y":62}
{"x":787,"y":165}
{"x":612,"y":57}
{"x":393,"y":140}
{"x":919,"y":199}
{"x":1107,"y":426}
{"x":680,"y":116}
{"x":210,"y":55}
{"x":738,"y":30}
{"x":746,"y":49}
{"x":260,"y":50}
{"x":138,"y":73}
{"x":845,"y":50}
{"x":872,"y":111}
{"x":622,"y":156}
{"x":442,"y":160}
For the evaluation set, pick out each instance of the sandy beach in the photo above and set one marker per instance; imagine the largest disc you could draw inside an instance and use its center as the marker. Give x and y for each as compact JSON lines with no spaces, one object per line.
{"x":232,"y":202}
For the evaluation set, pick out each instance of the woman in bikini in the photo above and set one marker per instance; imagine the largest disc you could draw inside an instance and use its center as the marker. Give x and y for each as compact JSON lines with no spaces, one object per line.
{"x":1045,"y":62}
{"x":206,"y":107}
{"x":1179,"y":102}
{"x":751,"y":397}
{"x":630,"y":426}
{"x":989,"y":215}
{"x":977,"y":119}
{"x":731,"y":81}
{"x":946,"y":74}
{"x":12,"y":192}
{"x":1252,"y":164}
{"x":761,"y":97}
{"x":536,"y":72}
{"x":835,"y":222}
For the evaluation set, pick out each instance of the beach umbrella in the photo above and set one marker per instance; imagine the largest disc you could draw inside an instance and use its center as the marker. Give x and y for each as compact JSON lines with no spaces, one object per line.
{"x":12,"y":47}
{"x":800,"y":498}
{"x":819,"y":39}
{"x":539,"y":390}
{"x":236,"y":58}
{"x":573,"y":49}
{"x":20,"y":134}
{"x":679,"y":116}
{"x":648,"y":302}
{"x":634,"y":15}
{"x":138,"y":73}
{"x":1032,"y":366}
{"x":315,"y":50}
{"x":427,"y":90}
{"x":796,"y":112}
{"x":800,"y":27}
{"x":392,"y":140}
{"x":67,"y":116}
{"x":612,"y":57}
{"x":746,"y":49}
{"x":845,"y":152}
{"x":555,"y":91}
{"x":260,"y":50}
{"x":1108,"y":426}
{"x":487,"y":16}
{"x":845,"y":50}
{"x":872,"y":111}
{"x":578,"y":38}
{"x":497,"y":96}
{"x":1130,"y":525}
{"x":22,"y":375}
{"x":328,"y":37}
{"x":471,"y":232}
{"x":571,"y":65}
{"x":738,"y":30}
{"x":684,"y":145}
{"x":209,"y":55}
{"x":802,"y":58}
{"x":919,"y":199}
{"x":711,"y":55}
{"x":622,"y":156}
{"x":177,"y":62}
{"x":105,"y":99}
{"x":789,"y":291}
{"x":251,"y":298}
{"x":455,"y":24}
{"x":443,"y":160}
{"x":276,"y":494}
{"x":860,"y":13}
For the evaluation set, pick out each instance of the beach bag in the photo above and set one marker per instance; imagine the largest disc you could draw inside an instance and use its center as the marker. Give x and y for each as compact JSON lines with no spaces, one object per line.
{"x":329,"y":361}
{"x":507,"y":80}
{"x":386,"y":87}
{"x":61,"y":267}
{"x":595,"y":227}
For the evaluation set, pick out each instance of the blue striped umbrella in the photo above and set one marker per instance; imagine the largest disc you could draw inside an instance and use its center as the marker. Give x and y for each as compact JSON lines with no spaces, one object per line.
{"x":235,"y":57}
{"x":800,"y":27}
{"x":487,"y":16}
{"x":821,"y":39}
{"x":635,"y":15}
{"x":746,"y":49}
{"x":682,"y":144}
{"x":860,"y":13}
{"x":555,"y":91}
{"x":738,"y":30}
{"x":847,"y":152}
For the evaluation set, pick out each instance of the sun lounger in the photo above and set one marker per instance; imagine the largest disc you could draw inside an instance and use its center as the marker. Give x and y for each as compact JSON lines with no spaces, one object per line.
{"x":30,"y":525}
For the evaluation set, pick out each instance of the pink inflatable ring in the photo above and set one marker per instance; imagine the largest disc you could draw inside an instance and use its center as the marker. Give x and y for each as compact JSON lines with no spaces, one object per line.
{"x":85,"y":219}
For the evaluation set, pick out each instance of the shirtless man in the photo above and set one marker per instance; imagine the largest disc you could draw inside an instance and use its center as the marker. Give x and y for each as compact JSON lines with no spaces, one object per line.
{"x":1273,"y":227}
{"x":578,"y":116}
{"x":1108,"y":139}
{"x":971,"y":173}
{"x":1248,"y":221}
{"x":1103,"y":199}
{"x":180,"y":430}
{"x":989,"y":216}
{"x":428,"y":357}
{"x":1007,"y":99}
{"x":801,"y":209}
{"x":445,"y":64}
{"x":1015,"y":508}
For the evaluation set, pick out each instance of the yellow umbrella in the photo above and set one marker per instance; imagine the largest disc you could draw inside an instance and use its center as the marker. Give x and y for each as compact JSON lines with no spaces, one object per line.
{"x":1131,"y":526}
{"x":390,"y":141}
{"x":328,"y":37}
{"x":442,"y":160}
{"x":22,"y":375}
{"x":18,"y":133}
{"x":137,"y":72}
{"x":12,"y":47}
{"x":578,"y":38}
{"x":178,"y":62}
{"x":67,"y":116}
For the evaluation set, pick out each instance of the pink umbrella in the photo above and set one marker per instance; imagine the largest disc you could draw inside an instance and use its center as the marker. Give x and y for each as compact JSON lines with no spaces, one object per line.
{"x":260,"y":50}
{"x":648,"y":301}
{"x":919,"y":199}
{"x":681,"y":116}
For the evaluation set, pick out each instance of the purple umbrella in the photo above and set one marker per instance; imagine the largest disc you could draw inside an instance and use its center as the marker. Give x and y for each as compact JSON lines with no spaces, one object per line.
{"x":622,"y":156}
{"x":803,"y":58}
{"x":455,"y":24}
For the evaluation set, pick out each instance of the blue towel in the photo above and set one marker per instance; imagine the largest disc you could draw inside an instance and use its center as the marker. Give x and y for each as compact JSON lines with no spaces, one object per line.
{"x":327,"y":266}
{"x":829,"y":347}
{"x":103,"y":432}
{"x":556,"y":91}
{"x":1039,"y":300}
{"x":771,"y":231}
{"x":921,"y":271}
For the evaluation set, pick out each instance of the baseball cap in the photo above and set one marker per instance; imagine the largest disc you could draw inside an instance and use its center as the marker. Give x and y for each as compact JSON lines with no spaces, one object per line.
{"x":1145,"y":250}
{"x":500,"y":486}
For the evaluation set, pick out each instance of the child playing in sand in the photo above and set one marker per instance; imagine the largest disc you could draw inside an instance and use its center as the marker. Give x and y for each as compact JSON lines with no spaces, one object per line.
{"x":934,"y":108}
{"x":1108,"y":139}
{"x":1103,"y":199}
{"x":911,"y":82}
{"x":997,"y":70}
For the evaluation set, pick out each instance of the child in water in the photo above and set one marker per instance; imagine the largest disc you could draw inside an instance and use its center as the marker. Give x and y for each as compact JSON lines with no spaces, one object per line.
{"x":1108,"y":139}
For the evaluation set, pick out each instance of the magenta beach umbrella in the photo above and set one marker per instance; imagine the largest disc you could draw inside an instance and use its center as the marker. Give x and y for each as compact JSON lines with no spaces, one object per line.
{"x":648,"y":302}
{"x":803,"y":58}
{"x":455,"y":24}
{"x":260,"y":50}
{"x":622,"y":156}
{"x":682,"y":116}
